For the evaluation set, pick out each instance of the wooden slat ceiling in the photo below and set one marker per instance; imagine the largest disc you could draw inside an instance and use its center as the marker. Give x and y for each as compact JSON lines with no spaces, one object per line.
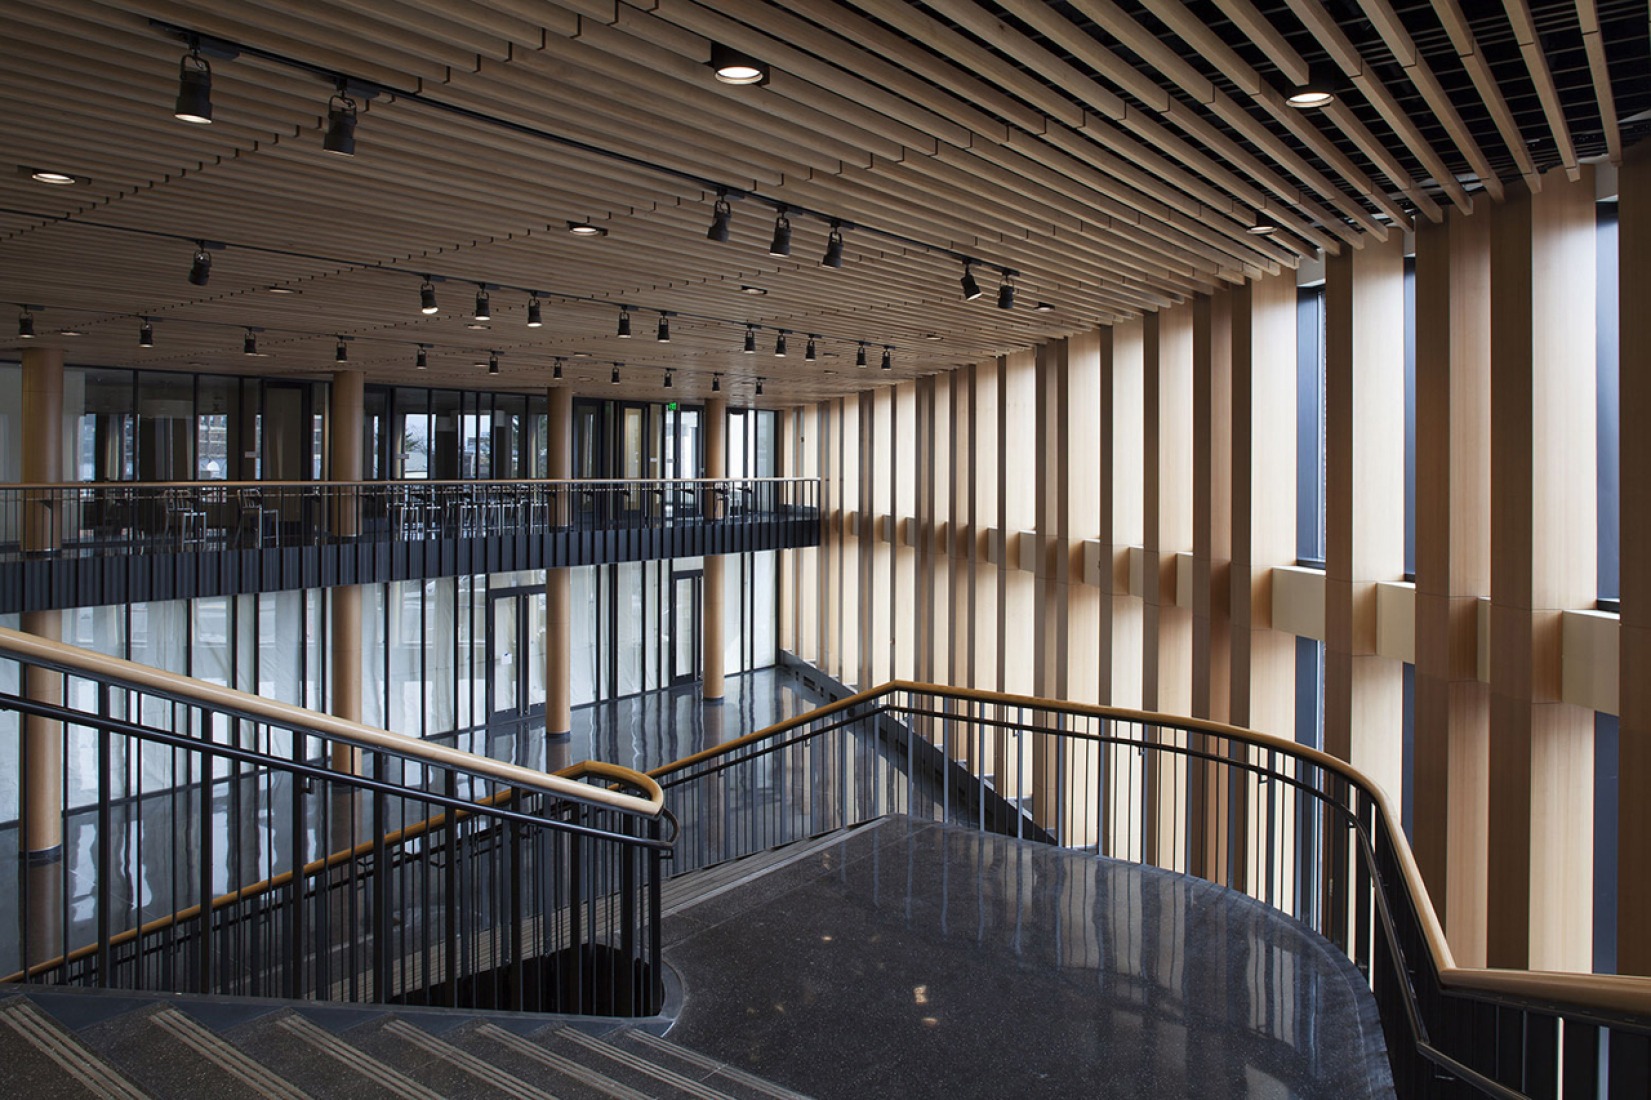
{"x":1111,"y":152}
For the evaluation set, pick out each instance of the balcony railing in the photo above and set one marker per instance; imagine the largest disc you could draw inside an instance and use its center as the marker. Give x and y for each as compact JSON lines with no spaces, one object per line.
{"x":124,"y":518}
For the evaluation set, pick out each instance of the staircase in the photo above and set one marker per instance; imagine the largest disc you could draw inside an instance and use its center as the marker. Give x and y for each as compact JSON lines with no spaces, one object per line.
{"x":123,"y":1046}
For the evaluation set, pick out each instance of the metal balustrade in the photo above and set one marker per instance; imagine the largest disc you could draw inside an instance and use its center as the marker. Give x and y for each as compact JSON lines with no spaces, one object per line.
{"x":1292,"y":827}
{"x":167,"y":834}
{"x":126,"y":518}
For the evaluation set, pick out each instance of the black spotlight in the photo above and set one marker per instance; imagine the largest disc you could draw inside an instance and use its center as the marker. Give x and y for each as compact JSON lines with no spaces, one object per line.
{"x":492,"y":362}
{"x":779,"y":346}
{"x":716,"y":383}
{"x":615,"y":379}
{"x":808,"y":353}
{"x":340,"y":136}
{"x":721,"y":217}
{"x":667,"y":379}
{"x":249,"y":343}
{"x":1319,"y":91}
{"x":427,"y":298}
{"x":971,"y":289}
{"x":341,"y":354}
{"x":194,"y":89}
{"x":25,"y":325}
{"x":423,"y":360}
{"x":860,"y":355}
{"x":1262,"y":226}
{"x":759,"y":387}
{"x":556,"y":371}
{"x":535,"y":318}
{"x":834,"y":248}
{"x":146,"y":335}
{"x":735,"y":67}
{"x":200,"y":269}
{"x":484,"y":305}
{"x":888,"y":362}
{"x":664,"y":331}
{"x":750,"y":340}
{"x":1006,"y":294}
{"x":781,"y":244}
{"x":624,"y":323}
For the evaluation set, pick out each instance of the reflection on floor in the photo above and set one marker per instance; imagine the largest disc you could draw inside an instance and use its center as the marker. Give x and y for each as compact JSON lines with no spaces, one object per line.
{"x":914,"y":959}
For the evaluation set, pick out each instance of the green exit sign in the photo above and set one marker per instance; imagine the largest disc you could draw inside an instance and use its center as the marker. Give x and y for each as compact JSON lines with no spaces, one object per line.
{"x":670,"y":406}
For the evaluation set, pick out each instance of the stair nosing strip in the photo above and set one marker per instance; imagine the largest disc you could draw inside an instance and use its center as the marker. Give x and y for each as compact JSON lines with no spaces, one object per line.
{"x":49,"y":1039}
{"x":226,"y":1057}
{"x":466,"y":1062}
{"x":808,"y":848}
{"x":705,"y":1061}
{"x":642,"y":1065}
{"x":380,"y":1072}
{"x":617,"y":1090}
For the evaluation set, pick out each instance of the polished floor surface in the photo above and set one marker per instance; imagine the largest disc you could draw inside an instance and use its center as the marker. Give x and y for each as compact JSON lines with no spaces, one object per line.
{"x":913,"y":959}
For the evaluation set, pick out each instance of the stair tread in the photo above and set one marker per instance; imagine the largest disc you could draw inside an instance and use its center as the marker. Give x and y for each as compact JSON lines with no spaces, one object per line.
{"x":730,"y":1079}
{"x":690,"y":889}
{"x":442,"y":1066}
{"x":531,"y":1057}
{"x":39,"y":1058}
{"x":170,"y":1054}
{"x":323,"y":1063}
{"x":694,"y":1076}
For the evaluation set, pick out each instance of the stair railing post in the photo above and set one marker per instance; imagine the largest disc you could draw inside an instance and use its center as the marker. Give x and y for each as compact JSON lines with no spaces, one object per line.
{"x":105,"y":838}
{"x":203,"y":919}
{"x":381,"y":922}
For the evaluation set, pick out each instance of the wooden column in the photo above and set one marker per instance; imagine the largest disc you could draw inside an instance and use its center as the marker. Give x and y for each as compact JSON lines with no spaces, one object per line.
{"x":344,"y":434}
{"x":1543,"y":536}
{"x":1634,"y":741}
{"x":1052,"y":578}
{"x":42,"y":428}
{"x":559,"y":582}
{"x":923,"y":639}
{"x":1212,"y":505}
{"x":716,"y":468}
{"x":1452,"y":708}
{"x":1364,"y":503}
{"x":1099,"y":413}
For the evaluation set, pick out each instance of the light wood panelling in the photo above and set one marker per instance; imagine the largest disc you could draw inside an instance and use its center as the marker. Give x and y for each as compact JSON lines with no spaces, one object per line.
{"x":1634,"y":740}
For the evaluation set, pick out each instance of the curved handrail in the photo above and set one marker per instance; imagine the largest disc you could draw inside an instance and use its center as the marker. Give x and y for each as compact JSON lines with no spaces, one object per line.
{"x":1598,"y":992}
{"x":73,"y":659}
{"x":12,"y":486}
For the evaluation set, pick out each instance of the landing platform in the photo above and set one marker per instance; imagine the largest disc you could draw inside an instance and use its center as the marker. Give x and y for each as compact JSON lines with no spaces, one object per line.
{"x":913,"y":959}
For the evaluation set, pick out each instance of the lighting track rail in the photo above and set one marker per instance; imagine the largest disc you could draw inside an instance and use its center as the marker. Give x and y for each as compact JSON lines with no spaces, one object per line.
{"x":354,"y":86}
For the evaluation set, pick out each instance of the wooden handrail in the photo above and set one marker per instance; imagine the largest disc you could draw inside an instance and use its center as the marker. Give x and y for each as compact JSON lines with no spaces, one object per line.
{"x":1618,"y":993}
{"x":29,"y":647}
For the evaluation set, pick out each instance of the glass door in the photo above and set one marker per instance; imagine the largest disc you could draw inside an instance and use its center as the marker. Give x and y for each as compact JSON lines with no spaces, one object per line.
{"x":516,"y":688}
{"x":683,"y":626}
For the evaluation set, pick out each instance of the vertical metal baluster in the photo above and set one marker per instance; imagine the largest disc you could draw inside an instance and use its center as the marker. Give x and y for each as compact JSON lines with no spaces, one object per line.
{"x":381,"y":886}
{"x":105,"y":837}
{"x":203,"y":922}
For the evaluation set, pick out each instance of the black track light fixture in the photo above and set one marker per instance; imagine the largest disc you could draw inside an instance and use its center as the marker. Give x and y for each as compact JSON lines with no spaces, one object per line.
{"x":484,"y":305}
{"x":667,"y":379}
{"x":1006,"y":293}
{"x":971,"y":288}
{"x":146,"y":334}
{"x":535,"y":315}
{"x":808,"y":353}
{"x":779,"y":345}
{"x":249,"y":343}
{"x":716,"y":383}
{"x":492,"y":362}
{"x":556,"y":371}
{"x":614,"y":380}
{"x":860,"y":355}
{"x":423,"y":360}
{"x":194,"y":89}
{"x":25,"y":325}
{"x":781,"y":244}
{"x":200,"y":268}
{"x":834,"y":247}
{"x":750,"y":340}
{"x":759,"y":387}
{"x":340,"y":136}
{"x":341,"y":354}
{"x":722,"y":216}
{"x":736,"y":67}
{"x":888,"y":358}
{"x":624,"y":323}
{"x":663,"y":333}
{"x":427,"y":297}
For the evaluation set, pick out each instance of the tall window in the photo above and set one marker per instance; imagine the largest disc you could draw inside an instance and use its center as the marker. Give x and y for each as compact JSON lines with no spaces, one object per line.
{"x":1310,"y":486}
{"x":1608,"y":436}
